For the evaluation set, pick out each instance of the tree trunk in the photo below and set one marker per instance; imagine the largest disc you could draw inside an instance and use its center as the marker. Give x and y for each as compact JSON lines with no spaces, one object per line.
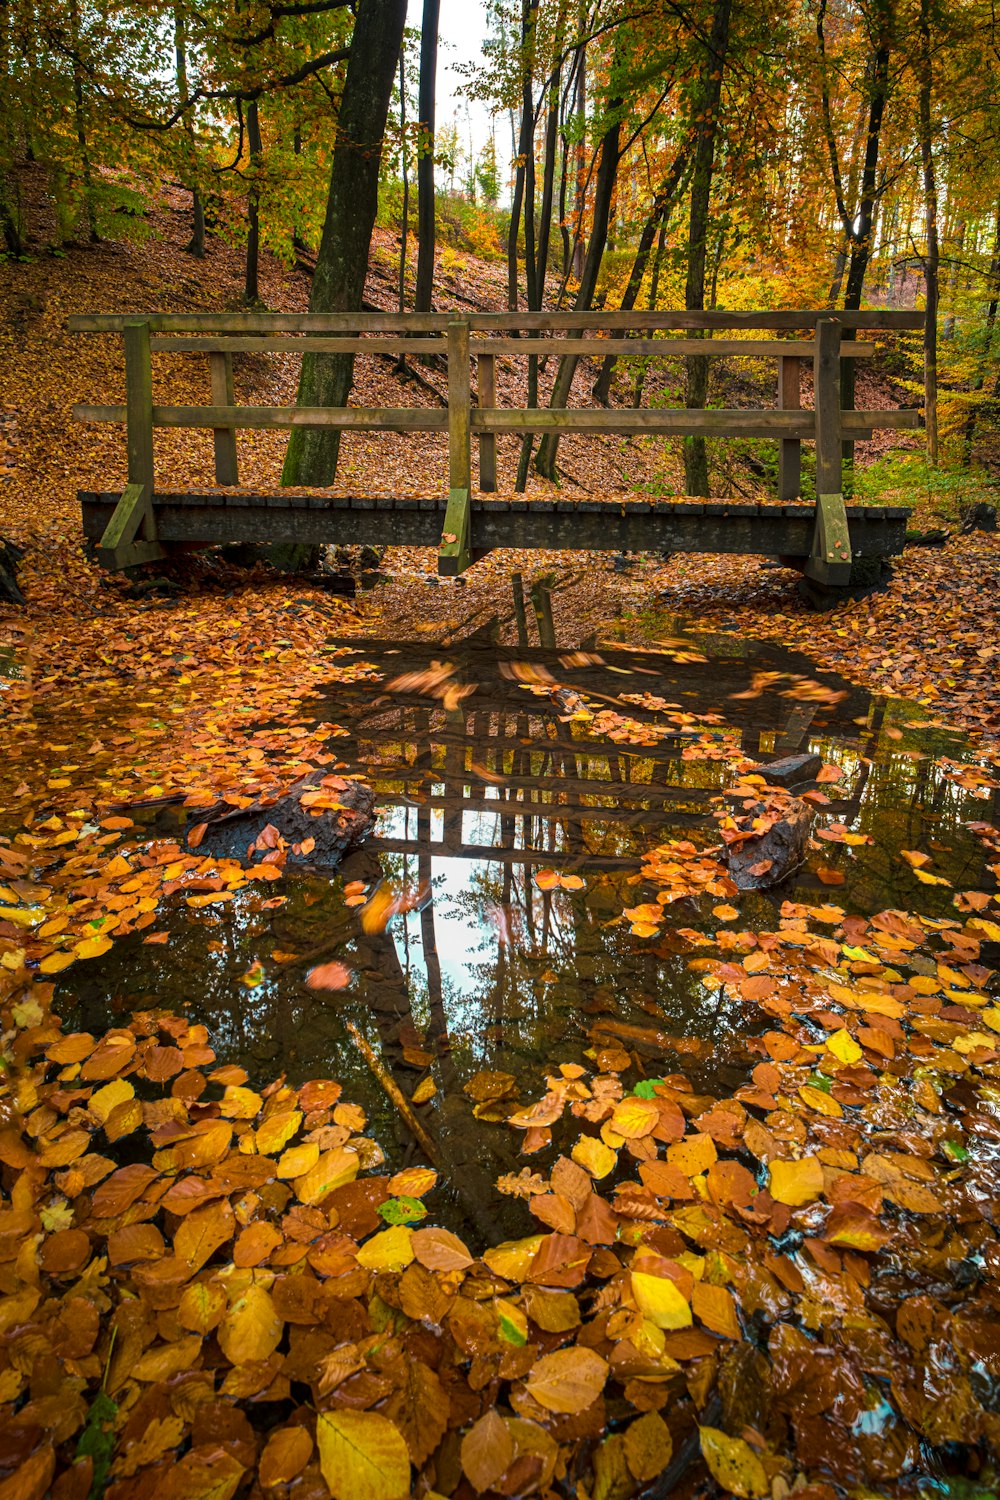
{"x":80,"y":118}
{"x":932,"y":253}
{"x":706,"y":120}
{"x":342,"y":263}
{"x":659,"y":214}
{"x":424,"y":291}
{"x":654,"y":291}
{"x":581,"y":160}
{"x":992,"y":307}
{"x":251,"y":287}
{"x":404,"y":232}
{"x":545,"y":463}
{"x":196,"y":244}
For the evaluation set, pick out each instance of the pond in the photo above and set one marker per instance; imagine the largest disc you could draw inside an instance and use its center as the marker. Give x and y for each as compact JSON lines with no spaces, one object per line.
{"x":519,"y":791}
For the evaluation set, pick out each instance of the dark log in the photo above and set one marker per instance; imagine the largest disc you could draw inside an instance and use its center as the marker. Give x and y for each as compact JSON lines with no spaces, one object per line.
{"x":281,"y":822}
{"x":10,"y":556}
{"x":766,"y":859}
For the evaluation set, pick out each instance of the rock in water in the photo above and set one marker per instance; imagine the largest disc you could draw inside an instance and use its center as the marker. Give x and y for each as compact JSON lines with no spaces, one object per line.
{"x":317,"y":821}
{"x":765,"y":837}
{"x":790,"y":770}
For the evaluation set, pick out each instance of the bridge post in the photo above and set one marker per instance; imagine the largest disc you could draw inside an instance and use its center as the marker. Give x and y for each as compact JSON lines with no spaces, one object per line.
{"x":455,"y":552}
{"x":459,"y":407}
{"x":130,"y":535}
{"x":487,"y":392}
{"x":226,"y":463}
{"x":830,"y":558}
{"x":790,"y":449}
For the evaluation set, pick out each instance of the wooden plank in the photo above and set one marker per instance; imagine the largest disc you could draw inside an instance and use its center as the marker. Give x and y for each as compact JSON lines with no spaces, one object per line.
{"x":454,"y":554}
{"x":265,"y":343}
{"x":224,"y":517}
{"x":241,"y":418}
{"x":487,"y":392}
{"x":790,"y":450}
{"x":383,"y":322}
{"x":226,"y":462}
{"x":666,"y":348}
{"x":459,"y":408}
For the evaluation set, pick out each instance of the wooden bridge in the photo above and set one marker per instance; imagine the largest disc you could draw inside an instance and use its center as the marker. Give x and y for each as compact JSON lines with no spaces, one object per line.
{"x":821,"y":538}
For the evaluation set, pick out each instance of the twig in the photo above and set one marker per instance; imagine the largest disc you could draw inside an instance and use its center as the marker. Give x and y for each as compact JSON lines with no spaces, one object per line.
{"x":394,"y":1093}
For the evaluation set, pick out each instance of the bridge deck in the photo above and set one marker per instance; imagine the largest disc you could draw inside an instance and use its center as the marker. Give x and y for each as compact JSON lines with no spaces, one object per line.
{"x":571,"y":524}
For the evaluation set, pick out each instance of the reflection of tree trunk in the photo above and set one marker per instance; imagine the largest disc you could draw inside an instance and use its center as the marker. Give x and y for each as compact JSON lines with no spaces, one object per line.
{"x":931,"y":253}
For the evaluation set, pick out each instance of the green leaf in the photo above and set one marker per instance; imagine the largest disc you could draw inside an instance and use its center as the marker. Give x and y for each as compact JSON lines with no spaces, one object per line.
{"x":402,"y":1210}
{"x":646,"y":1088}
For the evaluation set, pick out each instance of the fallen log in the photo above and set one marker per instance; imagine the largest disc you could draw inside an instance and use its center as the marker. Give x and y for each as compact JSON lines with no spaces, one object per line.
{"x":316,"y":821}
{"x":10,"y":556}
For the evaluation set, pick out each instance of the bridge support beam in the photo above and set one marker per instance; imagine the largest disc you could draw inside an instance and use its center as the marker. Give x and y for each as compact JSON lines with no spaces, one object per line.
{"x":130,"y":535}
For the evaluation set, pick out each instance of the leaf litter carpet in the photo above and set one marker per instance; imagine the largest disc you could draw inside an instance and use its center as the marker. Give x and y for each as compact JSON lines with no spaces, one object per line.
{"x":208,"y":1284}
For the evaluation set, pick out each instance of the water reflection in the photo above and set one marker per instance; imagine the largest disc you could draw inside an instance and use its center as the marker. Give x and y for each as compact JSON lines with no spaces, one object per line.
{"x":483,"y":788}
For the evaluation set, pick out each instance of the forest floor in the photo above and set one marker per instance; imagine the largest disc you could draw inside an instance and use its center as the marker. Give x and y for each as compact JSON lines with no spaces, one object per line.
{"x":789,"y":1286}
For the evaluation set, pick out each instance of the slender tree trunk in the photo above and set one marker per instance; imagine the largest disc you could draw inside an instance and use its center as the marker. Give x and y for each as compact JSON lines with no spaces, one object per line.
{"x":654,"y":292}
{"x":251,"y":287}
{"x":580,"y":197}
{"x":706,"y":118}
{"x":196,"y":244}
{"x":80,"y":121}
{"x":405,"y":173}
{"x":659,"y":214}
{"x":989,"y":325}
{"x":932,"y":253}
{"x":424,"y":291}
{"x":607,"y":171}
{"x":958,"y":243}
{"x":342,"y":263}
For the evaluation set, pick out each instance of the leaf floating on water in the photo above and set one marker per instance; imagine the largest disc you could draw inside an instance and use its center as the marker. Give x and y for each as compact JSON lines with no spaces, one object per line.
{"x":569,"y":1380}
{"x":733,"y":1464}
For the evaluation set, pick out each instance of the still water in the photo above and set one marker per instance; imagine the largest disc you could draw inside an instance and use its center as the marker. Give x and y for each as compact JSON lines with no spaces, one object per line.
{"x":486,"y":783}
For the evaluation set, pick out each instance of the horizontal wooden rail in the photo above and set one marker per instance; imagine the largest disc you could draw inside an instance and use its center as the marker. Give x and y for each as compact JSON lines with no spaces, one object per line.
{"x":409,"y":323}
{"x":729,"y":422}
{"x":433,"y":344}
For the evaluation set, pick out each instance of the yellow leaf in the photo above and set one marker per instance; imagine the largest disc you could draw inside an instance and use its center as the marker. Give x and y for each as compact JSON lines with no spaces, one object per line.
{"x":251,"y":1329}
{"x":392,"y":1250}
{"x":568,"y":1380}
{"x":102,"y":1101}
{"x":821,"y":1102}
{"x":844,"y":1047}
{"x":277,"y":1130}
{"x":512,"y":1258}
{"x":661,"y":1300}
{"x":92,"y":947}
{"x":362,"y":1455}
{"x":989,"y":930}
{"x":648,"y":1446}
{"x":733,"y":1464}
{"x":796,"y":1182}
{"x":239,"y":1103}
{"x":425,"y":1089}
{"x":594,"y":1156}
{"x":297,"y":1160}
{"x":693,"y":1155}
{"x":55,"y":962}
{"x":634,"y":1117}
{"x":333,"y":1169}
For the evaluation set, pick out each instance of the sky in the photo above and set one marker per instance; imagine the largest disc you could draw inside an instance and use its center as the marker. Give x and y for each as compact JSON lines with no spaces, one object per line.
{"x":461,"y":32}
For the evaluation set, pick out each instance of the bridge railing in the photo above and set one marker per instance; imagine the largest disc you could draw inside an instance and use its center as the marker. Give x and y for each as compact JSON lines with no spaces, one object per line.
{"x":461,"y":339}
